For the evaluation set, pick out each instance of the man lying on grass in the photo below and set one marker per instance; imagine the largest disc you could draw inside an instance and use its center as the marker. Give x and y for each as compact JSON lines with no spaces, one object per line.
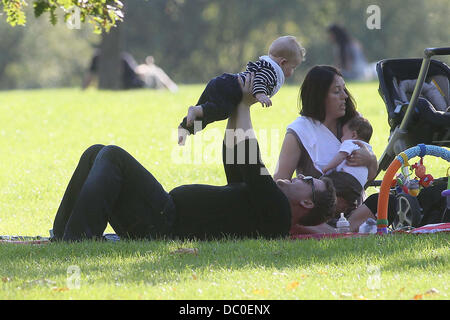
{"x":109,"y":185}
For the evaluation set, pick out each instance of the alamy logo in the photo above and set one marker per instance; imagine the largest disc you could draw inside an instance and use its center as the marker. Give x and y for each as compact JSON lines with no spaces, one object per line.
{"x":74,"y":20}
{"x":374,"y":279}
{"x":73,"y":280}
{"x":374,"y":19}
{"x":203,"y":148}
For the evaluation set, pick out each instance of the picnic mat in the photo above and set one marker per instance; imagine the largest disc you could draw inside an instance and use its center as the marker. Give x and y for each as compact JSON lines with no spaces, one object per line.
{"x":24,"y":239}
{"x":111,"y":237}
{"x":429,"y":228}
{"x":45,"y":240}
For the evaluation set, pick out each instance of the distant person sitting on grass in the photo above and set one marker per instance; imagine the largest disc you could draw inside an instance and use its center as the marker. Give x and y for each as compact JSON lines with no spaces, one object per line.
{"x":110,"y":186}
{"x":154,"y":77}
{"x":355,"y":133}
{"x":222,"y":94}
{"x":129,"y":77}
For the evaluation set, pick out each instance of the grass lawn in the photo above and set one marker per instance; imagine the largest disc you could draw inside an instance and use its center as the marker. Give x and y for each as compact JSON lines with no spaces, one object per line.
{"x":44,"y":132}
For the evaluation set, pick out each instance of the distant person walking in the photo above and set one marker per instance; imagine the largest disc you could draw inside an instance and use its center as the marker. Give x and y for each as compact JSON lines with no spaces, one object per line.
{"x":349,"y":56}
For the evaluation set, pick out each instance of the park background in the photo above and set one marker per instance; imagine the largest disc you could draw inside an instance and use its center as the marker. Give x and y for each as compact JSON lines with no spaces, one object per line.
{"x":44,"y":131}
{"x":193,"y":40}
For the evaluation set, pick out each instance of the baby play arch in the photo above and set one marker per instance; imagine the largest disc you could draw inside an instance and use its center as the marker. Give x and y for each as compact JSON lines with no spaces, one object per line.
{"x":402,"y":159}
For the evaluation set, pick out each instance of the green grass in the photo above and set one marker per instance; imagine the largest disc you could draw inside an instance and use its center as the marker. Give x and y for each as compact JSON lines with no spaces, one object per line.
{"x":248,"y":269}
{"x":42,"y":136}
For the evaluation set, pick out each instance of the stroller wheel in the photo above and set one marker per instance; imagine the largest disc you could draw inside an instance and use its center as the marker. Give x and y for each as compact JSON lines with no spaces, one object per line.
{"x":408,"y":212}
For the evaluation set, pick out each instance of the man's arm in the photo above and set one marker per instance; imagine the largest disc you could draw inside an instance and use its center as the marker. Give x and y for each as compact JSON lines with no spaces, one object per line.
{"x":242,"y":111}
{"x":229,"y":156}
{"x":321,"y":228}
{"x":241,"y":137}
{"x":229,"y":150}
{"x":358,"y":216}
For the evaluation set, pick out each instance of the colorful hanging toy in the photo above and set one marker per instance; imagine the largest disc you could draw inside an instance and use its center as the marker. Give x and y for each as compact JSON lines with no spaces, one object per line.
{"x":421,"y":172}
{"x":401,"y":160}
{"x":403,"y":183}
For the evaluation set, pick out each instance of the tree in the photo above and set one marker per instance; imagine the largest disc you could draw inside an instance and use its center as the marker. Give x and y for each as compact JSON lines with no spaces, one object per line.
{"x":110,"y":66}
{"x":103,"y":14}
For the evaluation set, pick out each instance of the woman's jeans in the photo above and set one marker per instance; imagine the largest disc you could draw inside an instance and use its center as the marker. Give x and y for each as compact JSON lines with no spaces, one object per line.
{"x":109,"y":185}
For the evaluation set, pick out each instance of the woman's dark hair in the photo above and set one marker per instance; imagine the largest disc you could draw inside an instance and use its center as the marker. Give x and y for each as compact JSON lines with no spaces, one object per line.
{"x":343,"y":40}
{"x":314,"y":91}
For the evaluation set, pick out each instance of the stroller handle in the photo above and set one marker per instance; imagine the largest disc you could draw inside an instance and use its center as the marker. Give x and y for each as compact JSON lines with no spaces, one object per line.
{"x":429,"y":52}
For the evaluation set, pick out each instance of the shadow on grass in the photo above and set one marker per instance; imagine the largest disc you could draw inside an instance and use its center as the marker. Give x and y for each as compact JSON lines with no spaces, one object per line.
{"x":156,"y":262}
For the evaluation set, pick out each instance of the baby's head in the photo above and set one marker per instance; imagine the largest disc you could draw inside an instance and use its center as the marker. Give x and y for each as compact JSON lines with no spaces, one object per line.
{"x":357,"y":128}
{"x":288,"y":53}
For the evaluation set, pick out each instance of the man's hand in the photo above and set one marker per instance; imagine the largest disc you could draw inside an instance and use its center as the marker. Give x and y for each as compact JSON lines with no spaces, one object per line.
{"x":263,"y":99}
{"x":247,"y":97}
{"x":193,"y":114}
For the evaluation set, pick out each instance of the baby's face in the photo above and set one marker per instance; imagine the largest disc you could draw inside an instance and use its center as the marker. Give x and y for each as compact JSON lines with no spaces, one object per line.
{"x":289,"y":67}
{"x":348,"y":134}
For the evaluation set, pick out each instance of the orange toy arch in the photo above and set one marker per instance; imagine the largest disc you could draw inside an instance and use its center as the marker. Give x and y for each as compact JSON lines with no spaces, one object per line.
{"x":420,"y":150}
{"x":383,"y":198}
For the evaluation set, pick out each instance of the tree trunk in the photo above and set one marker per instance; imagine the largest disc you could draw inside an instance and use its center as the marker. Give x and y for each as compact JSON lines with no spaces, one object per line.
{"x":109,"y":64}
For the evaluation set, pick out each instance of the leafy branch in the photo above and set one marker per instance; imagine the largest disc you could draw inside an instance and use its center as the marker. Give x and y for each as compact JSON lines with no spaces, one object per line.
{"x":102,"y":14}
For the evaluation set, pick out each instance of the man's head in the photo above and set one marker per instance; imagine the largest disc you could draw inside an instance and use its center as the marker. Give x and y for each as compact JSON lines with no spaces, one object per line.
{"x":312,"y":200}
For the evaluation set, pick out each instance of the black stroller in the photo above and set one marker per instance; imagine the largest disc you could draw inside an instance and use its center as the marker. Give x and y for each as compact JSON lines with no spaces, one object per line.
{"x":415,"y":115}
{"x":413,"y":119}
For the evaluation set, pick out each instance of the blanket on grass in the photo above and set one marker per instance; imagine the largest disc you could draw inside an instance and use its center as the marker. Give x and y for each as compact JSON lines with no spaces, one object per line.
{"x":429,"y":228}
{"x":111,"y":237}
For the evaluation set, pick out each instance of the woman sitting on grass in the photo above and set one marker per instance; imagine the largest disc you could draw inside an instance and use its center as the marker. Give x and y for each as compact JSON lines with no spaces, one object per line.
{"x":313,"y":139}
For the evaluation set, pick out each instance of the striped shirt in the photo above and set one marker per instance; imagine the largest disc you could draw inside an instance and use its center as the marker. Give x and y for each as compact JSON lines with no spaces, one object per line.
{"x":265,"y":80}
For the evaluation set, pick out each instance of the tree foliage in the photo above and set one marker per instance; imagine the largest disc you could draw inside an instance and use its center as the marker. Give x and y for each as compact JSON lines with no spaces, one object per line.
{"x":194,"y":40}
{"x":103,"y":14}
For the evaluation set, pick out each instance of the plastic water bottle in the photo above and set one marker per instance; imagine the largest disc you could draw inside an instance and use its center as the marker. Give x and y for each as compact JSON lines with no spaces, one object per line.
{"x":370,"y":226}
{"x":342,"y":224}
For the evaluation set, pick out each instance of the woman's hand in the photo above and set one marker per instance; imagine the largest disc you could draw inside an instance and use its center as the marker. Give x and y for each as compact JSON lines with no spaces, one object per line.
{"x":247,"y":97}
{"x":363,"y":157}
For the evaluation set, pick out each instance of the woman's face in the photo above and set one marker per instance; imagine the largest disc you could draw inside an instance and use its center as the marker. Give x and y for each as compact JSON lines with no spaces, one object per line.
{"x":335,"y":100}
